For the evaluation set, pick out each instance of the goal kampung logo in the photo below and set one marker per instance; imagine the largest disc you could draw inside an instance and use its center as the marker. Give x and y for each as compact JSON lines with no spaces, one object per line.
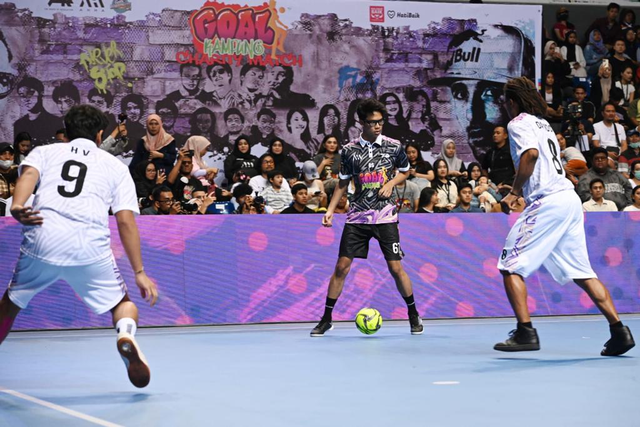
{"x":220,"y":29}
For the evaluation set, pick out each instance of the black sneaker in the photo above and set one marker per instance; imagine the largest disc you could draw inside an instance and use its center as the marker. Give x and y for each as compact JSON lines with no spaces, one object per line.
{"x":416,"y":325}
{"x":621,"y":341}
{"x":520,"y":339}
{"x":321,"y":328}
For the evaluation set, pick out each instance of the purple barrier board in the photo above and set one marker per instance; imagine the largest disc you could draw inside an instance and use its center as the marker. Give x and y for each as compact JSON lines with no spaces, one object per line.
{"x":222,"y":269}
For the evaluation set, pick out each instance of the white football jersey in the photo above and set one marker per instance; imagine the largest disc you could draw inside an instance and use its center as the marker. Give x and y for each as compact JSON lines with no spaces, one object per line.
{"x":78,"y":184}
{"x":548,"y":177}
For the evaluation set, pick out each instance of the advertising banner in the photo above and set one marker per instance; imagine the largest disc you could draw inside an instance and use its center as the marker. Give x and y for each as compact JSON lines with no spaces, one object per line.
{"x":292,"y":69}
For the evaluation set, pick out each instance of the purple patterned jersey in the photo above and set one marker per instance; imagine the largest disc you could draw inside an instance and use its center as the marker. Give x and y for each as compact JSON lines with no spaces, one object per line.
{"x":371,"y":165}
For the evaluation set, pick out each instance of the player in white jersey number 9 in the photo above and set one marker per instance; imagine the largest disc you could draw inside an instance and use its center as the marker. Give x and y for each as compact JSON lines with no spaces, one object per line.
{"x":66,"y":233}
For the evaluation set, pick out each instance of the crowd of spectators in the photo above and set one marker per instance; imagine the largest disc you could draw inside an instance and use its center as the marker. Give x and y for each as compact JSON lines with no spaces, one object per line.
{"x":589,"y":82}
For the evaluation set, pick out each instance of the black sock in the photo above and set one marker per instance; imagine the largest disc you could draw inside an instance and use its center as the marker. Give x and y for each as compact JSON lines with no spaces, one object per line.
{"x":527,"y":324}
{"x":328,"y":309}
{"x":616,"y":325}
{"x":411,"y":305}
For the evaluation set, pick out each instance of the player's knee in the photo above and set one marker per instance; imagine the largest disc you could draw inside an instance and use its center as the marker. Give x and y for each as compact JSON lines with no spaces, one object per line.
{"x":342,"y":268}
{"x":395,"y":269}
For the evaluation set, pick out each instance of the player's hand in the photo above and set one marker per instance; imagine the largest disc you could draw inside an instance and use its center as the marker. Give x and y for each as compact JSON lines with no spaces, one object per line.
{"x":25,"y":215}
{"x":148,"y":289}
{"x":385,"y":191}
{"x":327,"y":219}
{"x":509,"y":203}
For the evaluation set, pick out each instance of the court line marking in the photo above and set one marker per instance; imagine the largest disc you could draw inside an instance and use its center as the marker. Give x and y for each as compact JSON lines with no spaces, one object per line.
{"x":207,"y":329}
{"x":446,"y":382}
{"x":59,"y":408}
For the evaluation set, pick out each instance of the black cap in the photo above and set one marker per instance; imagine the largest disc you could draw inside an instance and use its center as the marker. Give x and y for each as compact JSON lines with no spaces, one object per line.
{"x":6,"y":146}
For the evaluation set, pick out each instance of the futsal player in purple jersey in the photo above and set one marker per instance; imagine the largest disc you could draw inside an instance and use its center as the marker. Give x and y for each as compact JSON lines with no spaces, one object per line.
{"x":370,"y":161}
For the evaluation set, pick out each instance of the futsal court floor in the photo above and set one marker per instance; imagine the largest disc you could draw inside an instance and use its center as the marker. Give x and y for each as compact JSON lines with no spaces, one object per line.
{"x":276,"y":375}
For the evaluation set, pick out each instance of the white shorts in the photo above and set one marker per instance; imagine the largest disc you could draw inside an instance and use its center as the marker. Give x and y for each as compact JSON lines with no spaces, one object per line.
{"x":100,"y":284}
{"x":549,"y":232}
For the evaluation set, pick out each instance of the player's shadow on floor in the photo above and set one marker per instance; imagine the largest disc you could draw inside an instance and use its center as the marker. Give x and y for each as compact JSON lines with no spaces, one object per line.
{"x":518,"y":363}
{"x":98,"y":399}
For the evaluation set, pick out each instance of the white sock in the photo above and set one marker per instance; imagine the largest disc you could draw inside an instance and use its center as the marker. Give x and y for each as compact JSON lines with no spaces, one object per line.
{"x":126,"y":324}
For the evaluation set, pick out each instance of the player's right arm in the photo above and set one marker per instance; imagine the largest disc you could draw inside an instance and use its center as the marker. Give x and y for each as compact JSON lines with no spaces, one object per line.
{"x":128,"y":230}
{"x":524,"y":142}
{"x":339,"y":191}
{"x":346,"y":171}
{"x":27,"y":182}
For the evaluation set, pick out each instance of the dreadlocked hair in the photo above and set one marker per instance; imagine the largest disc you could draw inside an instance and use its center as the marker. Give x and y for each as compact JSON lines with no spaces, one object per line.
{"x":524,"y":93}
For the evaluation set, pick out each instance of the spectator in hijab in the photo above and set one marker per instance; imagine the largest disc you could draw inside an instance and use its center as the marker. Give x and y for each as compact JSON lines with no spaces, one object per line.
{"x":156,"y":146}
{"x":556,"y":64}
{"x":456,"y":168}
{"x":284,"y":163}
{"x":240,"y":161}
{"x":572,"y":53}
{"x":199,"y":145}
{"x":594,"y":53}
{"x":146,"y":178}
{"x":601,"y":85}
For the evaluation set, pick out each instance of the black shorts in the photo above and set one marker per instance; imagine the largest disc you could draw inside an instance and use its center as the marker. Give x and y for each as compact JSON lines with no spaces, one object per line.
{"x":355,"y":240}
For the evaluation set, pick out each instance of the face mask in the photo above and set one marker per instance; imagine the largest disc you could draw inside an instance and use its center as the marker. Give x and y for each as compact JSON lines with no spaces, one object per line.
{"x":637,"y":174}
{"x":635,"y":144}
{"x":5,"y":164}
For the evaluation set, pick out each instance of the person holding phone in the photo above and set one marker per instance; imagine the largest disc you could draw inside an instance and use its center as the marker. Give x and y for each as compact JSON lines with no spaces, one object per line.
{"x":609,"y":134}
{"x":315,"y":187}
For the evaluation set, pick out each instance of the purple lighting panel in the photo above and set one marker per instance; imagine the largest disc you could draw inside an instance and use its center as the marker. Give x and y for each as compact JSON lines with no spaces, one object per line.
{"x":237,"y":269}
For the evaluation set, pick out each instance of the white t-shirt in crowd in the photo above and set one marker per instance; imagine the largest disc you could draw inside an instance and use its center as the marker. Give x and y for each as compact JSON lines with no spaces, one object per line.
{"x":606,"y":206}
{"x":548,"y":177}
{"x":627,"y":90}
{"x":259,"y":184}
{"x":78,"y":184}
{"x":572,"y":153}
{"x":607,"y":136}
{"x":631,"y":208}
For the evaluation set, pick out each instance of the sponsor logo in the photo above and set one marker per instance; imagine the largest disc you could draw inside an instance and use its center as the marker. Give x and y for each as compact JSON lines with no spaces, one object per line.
{"x":393,"y":14}
{"x":64,"y":3}
{"x":460,"y":55}
{"x":376,"y":13}
{"x":80,"y":5}
{"x":121,"y":6}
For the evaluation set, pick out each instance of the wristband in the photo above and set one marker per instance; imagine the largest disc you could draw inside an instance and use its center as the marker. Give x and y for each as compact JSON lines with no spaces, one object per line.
{"x":517,"y":195}
{"x":140,"y":271}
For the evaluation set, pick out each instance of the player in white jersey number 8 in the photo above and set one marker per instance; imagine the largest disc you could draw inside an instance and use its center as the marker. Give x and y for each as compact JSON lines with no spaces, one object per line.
{"x":66,"y":232}
{"x":550,"y":231}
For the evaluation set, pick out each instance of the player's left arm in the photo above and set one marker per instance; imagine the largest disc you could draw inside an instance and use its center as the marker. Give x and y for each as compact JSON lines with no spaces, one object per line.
{"x":525,"y":170}
{"x":404,"y":171}
{"x":27,"y":182}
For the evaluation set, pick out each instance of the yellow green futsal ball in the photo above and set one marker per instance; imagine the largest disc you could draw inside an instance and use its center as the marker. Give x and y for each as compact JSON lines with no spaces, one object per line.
{"x":368,"y":321}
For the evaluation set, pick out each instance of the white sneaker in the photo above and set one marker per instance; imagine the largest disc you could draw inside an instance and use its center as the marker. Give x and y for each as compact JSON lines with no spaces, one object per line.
{"x":134,"y":360}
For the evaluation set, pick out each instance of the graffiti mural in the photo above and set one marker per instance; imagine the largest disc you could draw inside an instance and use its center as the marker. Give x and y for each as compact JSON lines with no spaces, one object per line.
{"x":438,"y":68}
